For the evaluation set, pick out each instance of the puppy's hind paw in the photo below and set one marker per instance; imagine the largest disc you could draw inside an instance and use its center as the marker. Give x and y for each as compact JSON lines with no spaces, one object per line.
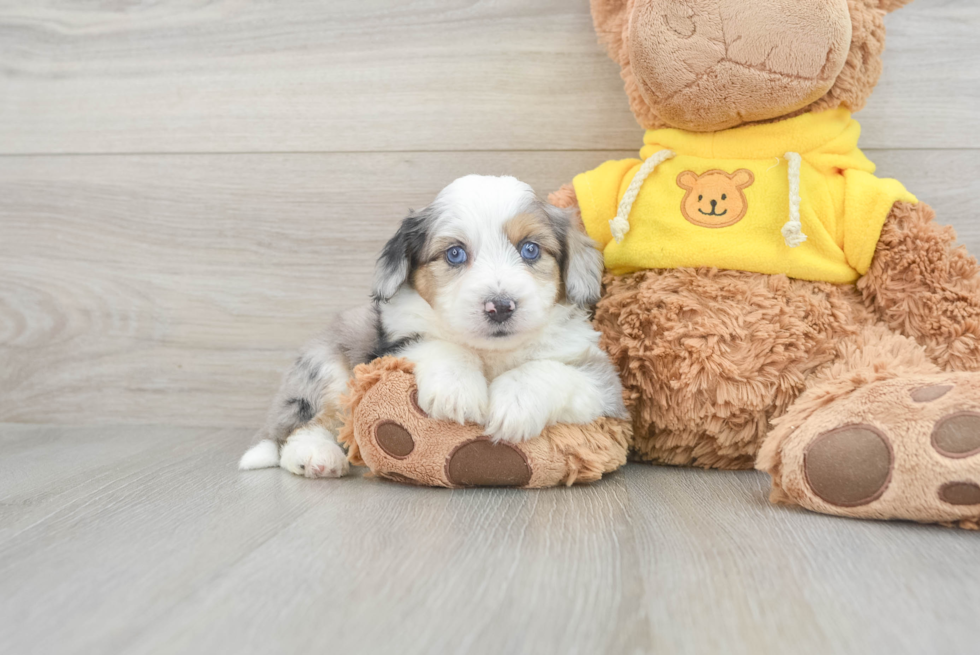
{"x":311,"y":452}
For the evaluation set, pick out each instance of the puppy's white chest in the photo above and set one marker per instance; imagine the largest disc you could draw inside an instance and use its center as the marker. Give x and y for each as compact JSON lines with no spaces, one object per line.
{"x":496,"y":364}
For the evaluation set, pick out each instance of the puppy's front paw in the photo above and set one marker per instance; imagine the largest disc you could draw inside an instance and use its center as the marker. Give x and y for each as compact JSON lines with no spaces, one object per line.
{"x":516,"y":413}
{"x":458,"y":394}
{"x":311,"y":452}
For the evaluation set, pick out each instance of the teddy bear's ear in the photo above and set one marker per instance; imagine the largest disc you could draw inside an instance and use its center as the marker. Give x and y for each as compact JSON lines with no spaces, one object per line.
{"x":610,"y":19}
{"x":687,"y":180}
{"x":892,"y":5}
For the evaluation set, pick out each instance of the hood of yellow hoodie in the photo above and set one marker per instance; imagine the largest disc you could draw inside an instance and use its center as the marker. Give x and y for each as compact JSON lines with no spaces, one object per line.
{"x":831,"y":131}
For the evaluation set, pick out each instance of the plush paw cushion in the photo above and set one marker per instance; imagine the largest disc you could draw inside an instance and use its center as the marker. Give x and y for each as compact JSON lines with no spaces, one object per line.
{"x":386,"y":430}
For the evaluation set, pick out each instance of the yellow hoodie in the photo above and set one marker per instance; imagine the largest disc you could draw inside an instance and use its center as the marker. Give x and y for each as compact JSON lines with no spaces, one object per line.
{"x":795,"y":197}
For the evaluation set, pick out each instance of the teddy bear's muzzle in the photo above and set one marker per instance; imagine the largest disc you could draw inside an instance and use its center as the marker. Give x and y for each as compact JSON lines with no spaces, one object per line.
{"x":709,"y":65}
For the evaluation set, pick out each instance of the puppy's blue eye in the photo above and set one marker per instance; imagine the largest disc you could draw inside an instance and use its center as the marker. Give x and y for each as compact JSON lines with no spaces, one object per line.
{"x":530,"y":251}
{"x":456,"y":255}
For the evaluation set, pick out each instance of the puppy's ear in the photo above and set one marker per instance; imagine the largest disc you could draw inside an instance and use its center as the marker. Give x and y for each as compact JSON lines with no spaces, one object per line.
{"x":401,"y":255}
{"x":581,"y":261}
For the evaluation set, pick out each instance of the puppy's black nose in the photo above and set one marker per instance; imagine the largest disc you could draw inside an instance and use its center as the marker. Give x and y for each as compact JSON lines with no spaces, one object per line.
{"x":499,"y":310}
{"x":713,"y":203}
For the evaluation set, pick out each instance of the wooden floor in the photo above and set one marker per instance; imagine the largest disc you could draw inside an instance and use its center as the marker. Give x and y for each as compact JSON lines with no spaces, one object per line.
{"x":189,"y":189}
{"x":147,"y":540}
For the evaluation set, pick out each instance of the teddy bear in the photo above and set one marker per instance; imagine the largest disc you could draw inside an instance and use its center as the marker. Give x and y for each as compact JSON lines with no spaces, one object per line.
{"x":769,"y":302}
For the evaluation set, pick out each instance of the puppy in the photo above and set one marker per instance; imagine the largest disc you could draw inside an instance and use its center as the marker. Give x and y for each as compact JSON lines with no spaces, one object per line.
{"x":487,"y":291}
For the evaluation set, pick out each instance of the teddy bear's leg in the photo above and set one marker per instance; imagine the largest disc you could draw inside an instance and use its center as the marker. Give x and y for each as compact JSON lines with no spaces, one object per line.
{"x":924,"y":287}
{"x":882,"y":433}
{"x":709,"y":357}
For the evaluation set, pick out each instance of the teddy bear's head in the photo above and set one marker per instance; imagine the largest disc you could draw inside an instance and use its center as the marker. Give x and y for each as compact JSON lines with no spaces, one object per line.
{"x":707,"y":65}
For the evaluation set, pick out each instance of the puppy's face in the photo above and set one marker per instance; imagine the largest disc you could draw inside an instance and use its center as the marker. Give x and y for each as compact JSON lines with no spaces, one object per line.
{"x":493,"y":278}
{"x":491,"y":260}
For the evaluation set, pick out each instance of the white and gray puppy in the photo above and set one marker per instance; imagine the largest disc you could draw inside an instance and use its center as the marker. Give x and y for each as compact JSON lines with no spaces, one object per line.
{"x":487,"y":291}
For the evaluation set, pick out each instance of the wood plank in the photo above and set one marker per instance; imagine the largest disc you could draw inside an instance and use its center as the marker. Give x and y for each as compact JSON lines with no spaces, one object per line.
{"x":135,"y":288}
{"x":175,"y":289}
{"x":43,"y":470}
{"x":391,"y":75}
{"x":192,"y":556}
{"x":108,"y":554}
{"x":925,"y":98}
{"x":725,"y":571}
{"x":420,"y":571}
{"x":170,"y":549}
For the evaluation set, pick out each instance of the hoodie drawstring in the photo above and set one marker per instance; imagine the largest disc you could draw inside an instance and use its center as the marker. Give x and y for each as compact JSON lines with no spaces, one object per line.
{"x":793,"y":229}
{"x":620,"y":225}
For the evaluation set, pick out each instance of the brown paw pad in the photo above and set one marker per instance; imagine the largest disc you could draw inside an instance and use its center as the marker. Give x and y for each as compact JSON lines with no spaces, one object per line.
{"x":930,"y":393}
{"x":849,"y":466}
{"x":482,"y":463}
{"x":957,"y":435}
{"x":960,"y":493}
{"x":394,"y":439}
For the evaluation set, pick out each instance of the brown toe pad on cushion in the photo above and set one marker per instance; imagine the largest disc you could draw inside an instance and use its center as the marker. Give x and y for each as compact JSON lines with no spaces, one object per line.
{"x":385,"y":429}
{"x":482,"y":463}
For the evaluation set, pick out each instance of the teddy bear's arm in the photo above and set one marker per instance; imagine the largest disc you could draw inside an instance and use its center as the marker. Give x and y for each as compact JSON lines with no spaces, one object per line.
{"x":924,"y":286}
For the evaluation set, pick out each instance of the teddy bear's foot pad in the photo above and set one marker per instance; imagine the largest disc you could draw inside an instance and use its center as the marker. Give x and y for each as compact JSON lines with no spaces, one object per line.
{"x":960,"y":493}
{"x":849,"y":466}
{"x":957,"y":435}
{"x":907,"y":449}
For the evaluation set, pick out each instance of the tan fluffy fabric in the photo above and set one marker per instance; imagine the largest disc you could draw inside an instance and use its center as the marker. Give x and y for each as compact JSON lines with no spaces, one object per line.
{"x":874,"y":383}
{"x":708,"y":357}
{"x":563,"y":197}
{"x":859,"y":400}
{"x":925,"y":286}
{"x":851,"y":88}
{"x":385,"y":430}
{"x":731,"y":369}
